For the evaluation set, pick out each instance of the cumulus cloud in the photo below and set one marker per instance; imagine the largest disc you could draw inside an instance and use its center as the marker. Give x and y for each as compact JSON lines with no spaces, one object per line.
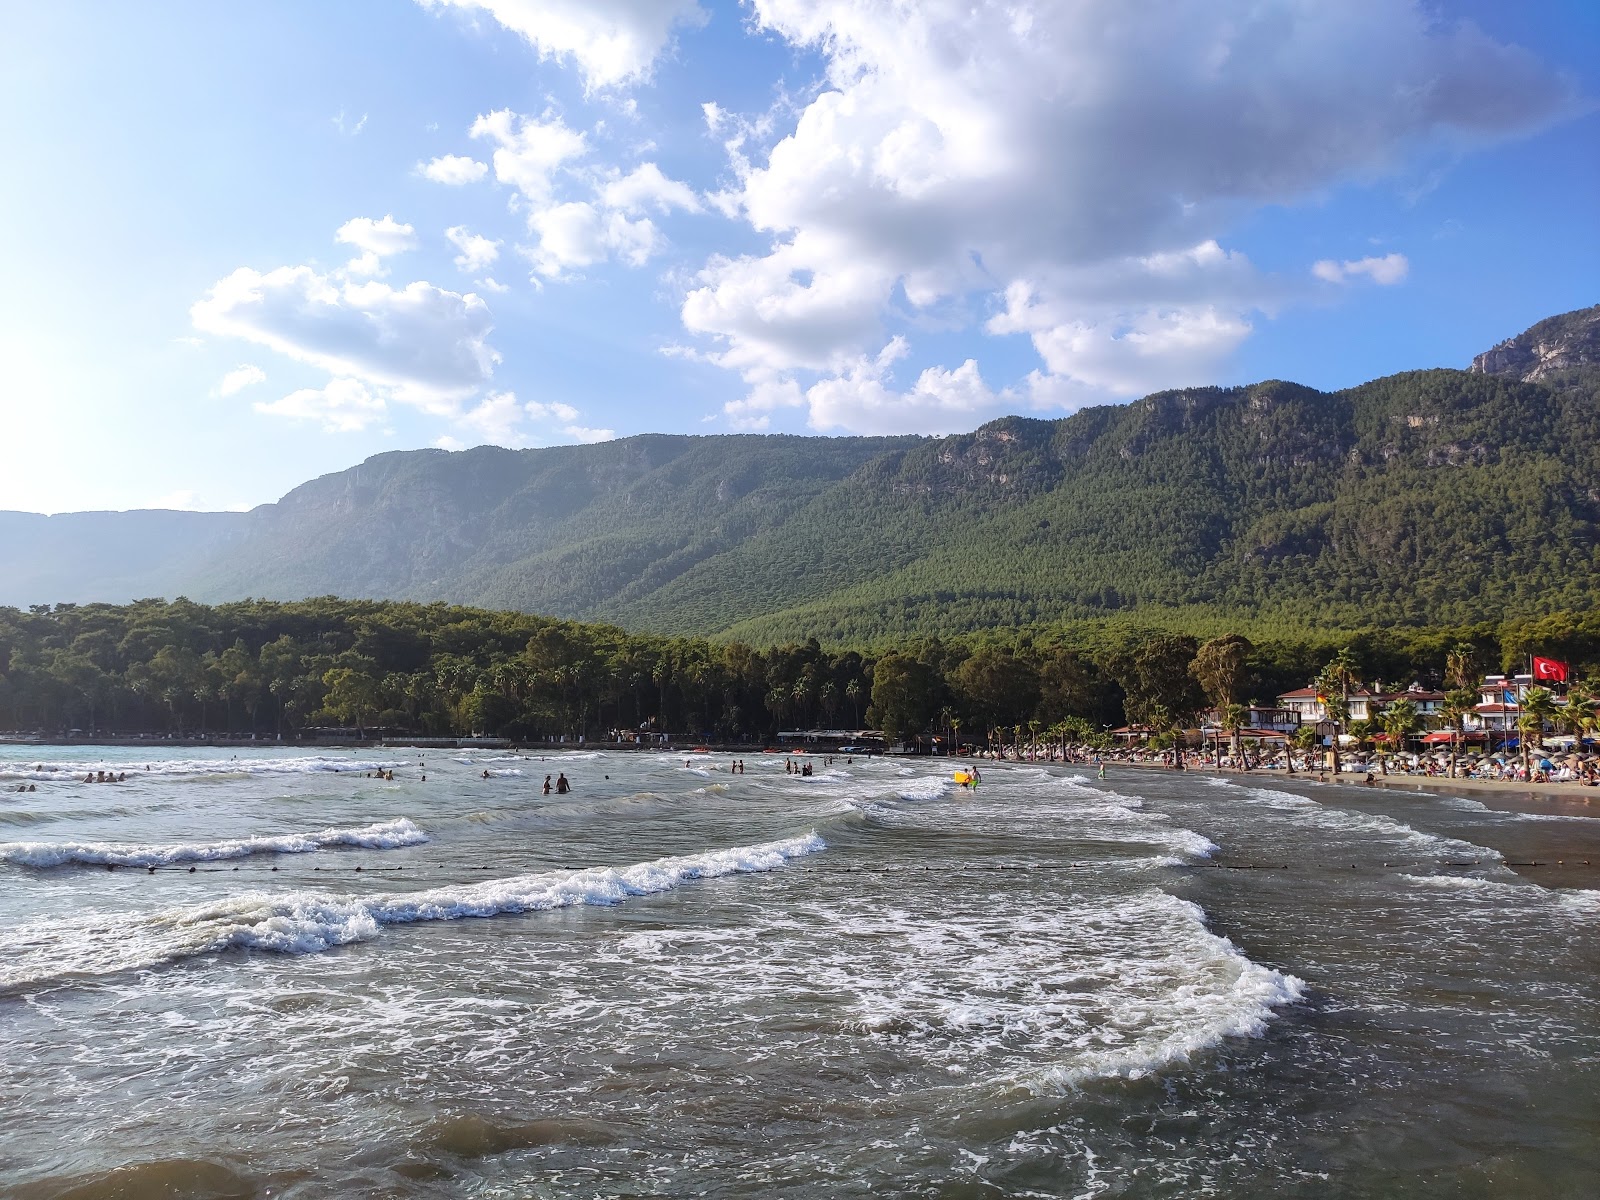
{"x":578,"y":215}
{"x":454,"y":170}
{"x":500,"y":419}
{"x":477,"y":252}
{"x":529,"y":151}
{"x":497,"y":419}
{"x":428,"y":345}
{"x":566,"y":417}
{"x":343,"y":406}
{"x":1385,"y":272}
{"x":861,"y":401}
{"x":577,"y":234}
{"x":241,"y":377}
{"x":646,"y":187}
{"x":613,"y":42}
{"x":377,"y":240}
{"x":1084,"y":166}
{"x":383,"y":237}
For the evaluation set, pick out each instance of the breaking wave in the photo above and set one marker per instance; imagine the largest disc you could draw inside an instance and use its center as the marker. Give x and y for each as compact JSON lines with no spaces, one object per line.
{"x":385,"y":835}
{"x":305,"y":922}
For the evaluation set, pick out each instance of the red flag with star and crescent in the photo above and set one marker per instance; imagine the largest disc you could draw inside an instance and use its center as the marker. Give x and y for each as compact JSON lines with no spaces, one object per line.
{"x":1549,"y":670}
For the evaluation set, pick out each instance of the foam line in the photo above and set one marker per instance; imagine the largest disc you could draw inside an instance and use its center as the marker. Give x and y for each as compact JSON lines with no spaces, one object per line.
{"x":385,"y":835}
{"x":304,"y":922}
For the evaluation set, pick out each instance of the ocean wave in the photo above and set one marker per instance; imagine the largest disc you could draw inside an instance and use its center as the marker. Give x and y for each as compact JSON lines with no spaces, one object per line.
{"x":191,"y":767}
{"x":385,"y":835}
{"x":1581,"y":902}
{"x":1345,"y":820}
{"x":1029,"y":1000}
{"x":303,"y":922}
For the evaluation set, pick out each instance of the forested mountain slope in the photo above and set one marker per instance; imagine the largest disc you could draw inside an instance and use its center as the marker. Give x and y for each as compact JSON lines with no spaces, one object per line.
{"x":1427,"y":497}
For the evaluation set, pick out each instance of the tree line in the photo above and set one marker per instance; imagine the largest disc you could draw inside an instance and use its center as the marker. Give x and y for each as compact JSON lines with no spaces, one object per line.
{"x":281,"y":669}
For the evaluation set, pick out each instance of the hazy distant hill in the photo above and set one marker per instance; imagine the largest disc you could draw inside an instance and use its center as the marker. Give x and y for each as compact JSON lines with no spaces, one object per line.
{"x":1427,"y":496}
{"x":107,"y":556}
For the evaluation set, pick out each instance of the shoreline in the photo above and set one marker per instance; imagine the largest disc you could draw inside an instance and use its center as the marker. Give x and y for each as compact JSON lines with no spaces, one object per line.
{"x":1567,"y":794}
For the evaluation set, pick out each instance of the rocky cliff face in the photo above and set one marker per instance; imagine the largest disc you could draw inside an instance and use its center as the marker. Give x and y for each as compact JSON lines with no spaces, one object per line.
{"x":1550,"y":348}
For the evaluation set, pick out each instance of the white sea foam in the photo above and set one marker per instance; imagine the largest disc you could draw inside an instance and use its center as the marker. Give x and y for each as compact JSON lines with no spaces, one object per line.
{"x":1043,"y":999}
{"x":1579,"y":902}
{"x":191,"y":767}
{"x":385,"y":835}
{"x":1141,"y":825}
{"x":304,"y":922}
{"x":930,"y":787}
{"x":1345,"y":820}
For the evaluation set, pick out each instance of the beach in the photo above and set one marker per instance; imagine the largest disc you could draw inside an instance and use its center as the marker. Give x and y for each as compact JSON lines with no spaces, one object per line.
{"x":273,"y":971}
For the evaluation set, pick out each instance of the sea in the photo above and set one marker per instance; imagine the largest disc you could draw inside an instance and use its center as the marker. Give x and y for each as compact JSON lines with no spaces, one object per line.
{"x":276,"y":972}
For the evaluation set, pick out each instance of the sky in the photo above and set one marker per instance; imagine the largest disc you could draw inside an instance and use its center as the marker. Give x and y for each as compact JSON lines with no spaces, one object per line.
{"x":246,"y":244}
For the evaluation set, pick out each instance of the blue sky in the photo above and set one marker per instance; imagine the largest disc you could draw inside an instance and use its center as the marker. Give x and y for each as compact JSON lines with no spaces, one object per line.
{"x":252,"y":243}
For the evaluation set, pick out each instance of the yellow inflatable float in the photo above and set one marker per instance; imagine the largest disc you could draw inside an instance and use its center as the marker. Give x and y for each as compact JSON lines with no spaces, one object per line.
{"x":966,"y":778}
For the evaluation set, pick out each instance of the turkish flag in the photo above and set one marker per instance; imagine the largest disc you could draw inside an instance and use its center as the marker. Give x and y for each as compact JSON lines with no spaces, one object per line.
{"x":1549,"y":670}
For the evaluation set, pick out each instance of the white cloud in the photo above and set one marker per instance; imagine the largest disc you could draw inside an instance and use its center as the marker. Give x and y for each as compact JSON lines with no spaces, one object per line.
{"x":566,"y":417}
{"x":1090,"y":163}
{"x":497,"y":420}
{"x":1385,"y":272}
{"x":582,"y":433}
{"x":612,"y":41}
{"x":528,"y":152}
{"x":477,"y":252}
{"x":577,"y":234}
{"x":377,"y":240}
{"x":425,"y":344}
{"x":579,"y":215}
{"x":454,"y":170}
{"x":383,"y":237}
{"x":550,"y":411}
{"x":343,"y":406}
{"x":646,"y":187}
{"x":241,"y":377}
{"x":490,"y":284}
{"x":861,"y":401}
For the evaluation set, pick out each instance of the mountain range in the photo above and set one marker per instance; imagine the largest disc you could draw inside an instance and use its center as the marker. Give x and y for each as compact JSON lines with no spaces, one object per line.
{"x":1434,"y":496}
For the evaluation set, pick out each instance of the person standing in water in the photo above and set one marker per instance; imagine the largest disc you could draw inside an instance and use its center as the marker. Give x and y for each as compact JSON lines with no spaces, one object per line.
{"x":547,"y":785}
{"x":562,"y":786}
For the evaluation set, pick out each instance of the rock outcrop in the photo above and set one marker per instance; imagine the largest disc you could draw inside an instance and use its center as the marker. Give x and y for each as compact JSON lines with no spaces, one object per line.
{"x":1552,"y":347}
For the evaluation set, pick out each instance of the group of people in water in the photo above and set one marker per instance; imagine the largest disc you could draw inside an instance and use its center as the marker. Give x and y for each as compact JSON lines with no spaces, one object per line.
{"x":106,"y":777}
{"x":562,"y":786}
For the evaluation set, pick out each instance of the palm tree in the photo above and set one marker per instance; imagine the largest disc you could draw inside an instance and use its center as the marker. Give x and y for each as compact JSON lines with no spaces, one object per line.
{"x":1538,"y":705}
{"x":1304,"y":739}
{"x":1233,"y":718}
{"x":1333,"y":690}
{"x":1459,"y":704}
{"x":1583,"y":708}
{"x":852,"y":693}
{"x":1400,"y":721}
{"x":1361,"y":734}
{"x":1458,"y":665}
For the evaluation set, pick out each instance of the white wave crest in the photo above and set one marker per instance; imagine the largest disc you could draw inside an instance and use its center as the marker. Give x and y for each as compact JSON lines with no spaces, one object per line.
{"x":385,"y":835}
{"x":191,"y":767}
{"x":308,"y":922}
{"x":1345,"y":820}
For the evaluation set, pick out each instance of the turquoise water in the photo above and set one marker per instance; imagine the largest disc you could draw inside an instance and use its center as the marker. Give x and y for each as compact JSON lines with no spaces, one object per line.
{"x":274,"y":973}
